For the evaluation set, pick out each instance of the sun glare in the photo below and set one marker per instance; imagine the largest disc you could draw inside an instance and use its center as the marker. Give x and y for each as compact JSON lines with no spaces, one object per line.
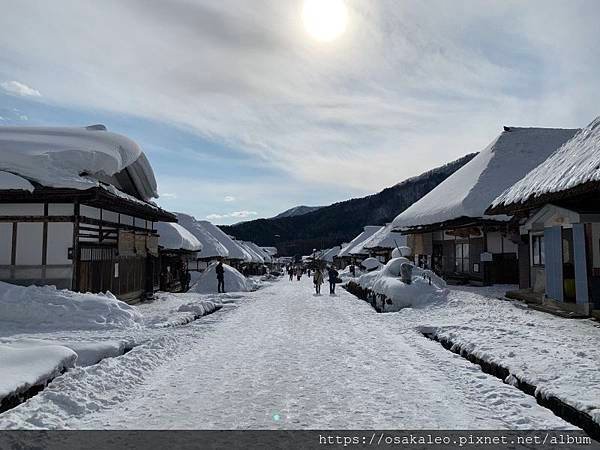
{"x":325,"y":20}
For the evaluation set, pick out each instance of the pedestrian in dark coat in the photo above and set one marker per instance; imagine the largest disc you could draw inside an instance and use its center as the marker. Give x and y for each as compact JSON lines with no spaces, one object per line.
{"x":333,"y":277}
{"x":220,"y":278}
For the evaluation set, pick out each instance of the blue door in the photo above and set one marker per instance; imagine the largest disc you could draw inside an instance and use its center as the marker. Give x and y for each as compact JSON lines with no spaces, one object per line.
{"x":554,"y":263}
{"x":579,"y":253}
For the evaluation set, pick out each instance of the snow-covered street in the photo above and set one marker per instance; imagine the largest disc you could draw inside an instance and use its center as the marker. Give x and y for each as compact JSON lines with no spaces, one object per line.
{"x":281,"y":357}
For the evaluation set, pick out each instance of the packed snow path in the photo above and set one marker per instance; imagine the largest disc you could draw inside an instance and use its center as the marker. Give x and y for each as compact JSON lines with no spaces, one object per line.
{"x":284,"y":358}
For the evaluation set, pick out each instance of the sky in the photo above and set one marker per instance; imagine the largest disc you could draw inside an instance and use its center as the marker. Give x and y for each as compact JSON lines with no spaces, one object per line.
{"x":244,"y":114}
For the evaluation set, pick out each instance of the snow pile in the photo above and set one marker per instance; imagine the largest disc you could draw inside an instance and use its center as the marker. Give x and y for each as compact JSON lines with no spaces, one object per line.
{"x":234,"y":281}
{"x":355,"y":244}
{"x":34,"y":308}
{"x":74,"y":158}
{"x":424,"y":289}
{"x":22,"y":367}
{"x":575,"y":163}
{"x":175,"y":237}
{"x":371,"y":264}
{"x":201,"y":308}
{"x":401,"y":252}
{"x":470,"y":190}
{"x":346,"y":275}
{"x":211,"y":246}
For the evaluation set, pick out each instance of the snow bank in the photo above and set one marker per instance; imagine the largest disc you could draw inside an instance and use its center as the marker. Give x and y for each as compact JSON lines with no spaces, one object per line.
{"x":22,"y":367}
{"x":74,"y":157}
{"x":34,"y":308}
{"x":470,"y":190}
{"x":575,"y":163}
{"x":200,"y":308}
{"x":371,"y":264}
{"x":424,"y":289}
{"x":234,"y":281}
{"x":175,"y":237}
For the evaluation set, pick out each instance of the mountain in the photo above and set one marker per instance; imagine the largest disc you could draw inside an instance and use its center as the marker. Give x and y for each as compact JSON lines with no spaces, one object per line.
{"x":297,"y":211}
{"x":341,"y":222}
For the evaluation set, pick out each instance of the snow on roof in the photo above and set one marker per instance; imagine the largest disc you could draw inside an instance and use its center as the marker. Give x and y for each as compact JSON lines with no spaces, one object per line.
{"x":329,"y":254}
{"x":470,"y":190}
{"x":385,"y":238}
{"x":255,"y":257}
{"x":175,"y":237}
{"x":234,"y":249}
{"x":211,"y":246}
{"x":12,"y":182}
{"x":355,"y":244}
{"x":266,"y":257}
{"x":75,"y":158}
{"x":272,"y":251}
{"x":575,"y":163}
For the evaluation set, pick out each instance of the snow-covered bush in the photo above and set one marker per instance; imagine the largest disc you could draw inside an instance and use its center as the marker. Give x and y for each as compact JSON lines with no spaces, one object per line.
{"x":35,"y":308}
{"x":234,"y":281}
{"x":371,"y":264}
{"x":425,"y":286}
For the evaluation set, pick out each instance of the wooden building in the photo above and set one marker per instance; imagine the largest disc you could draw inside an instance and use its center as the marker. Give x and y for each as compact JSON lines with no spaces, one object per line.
{"x":449,"y":231}
{"x":557,"y":204}
{"x":353,"y":253}
{"x":383,"y":242}
{"x":75,"y":211}
{"x":177,"y":248}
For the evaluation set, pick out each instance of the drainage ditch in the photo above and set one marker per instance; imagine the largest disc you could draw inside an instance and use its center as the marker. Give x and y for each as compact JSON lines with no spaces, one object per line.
{"x":566,"y":412}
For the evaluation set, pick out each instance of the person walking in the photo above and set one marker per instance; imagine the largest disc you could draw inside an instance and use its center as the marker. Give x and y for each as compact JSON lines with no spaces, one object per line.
{"x":299,"y":272}
{"x":220,"y":278}
{"x":291,"y":272}
{"x":333,"y":277}
{"x":318,"y":281}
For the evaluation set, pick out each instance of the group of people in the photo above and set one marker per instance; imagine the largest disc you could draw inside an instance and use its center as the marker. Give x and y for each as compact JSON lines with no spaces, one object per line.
{"x":319,"y":279}
{"x":317,"y":276}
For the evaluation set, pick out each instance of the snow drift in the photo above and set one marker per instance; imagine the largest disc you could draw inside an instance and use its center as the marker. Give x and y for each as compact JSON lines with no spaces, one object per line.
{"x":34,"y":309}
{"x":23,"y":367}
{"x":425,"y":287}
{"x":234,"y":281}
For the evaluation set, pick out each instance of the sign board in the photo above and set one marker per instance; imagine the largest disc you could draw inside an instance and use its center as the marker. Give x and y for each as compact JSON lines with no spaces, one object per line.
{"x":486,"y":257}
{"x":126,"y":243}
{"x":152,"y":244}
{"x":140,"y":244}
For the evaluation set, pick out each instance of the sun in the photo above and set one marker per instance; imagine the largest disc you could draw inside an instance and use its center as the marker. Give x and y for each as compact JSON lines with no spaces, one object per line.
{"x":325,"y":20}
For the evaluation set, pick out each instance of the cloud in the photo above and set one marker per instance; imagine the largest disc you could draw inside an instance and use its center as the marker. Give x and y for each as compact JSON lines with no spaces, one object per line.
{"x":168,"y":195}
{"x":229,"y":198}
{"x":233,"y":215}
{"x":409,"y":86}
{"x":17,"y":88}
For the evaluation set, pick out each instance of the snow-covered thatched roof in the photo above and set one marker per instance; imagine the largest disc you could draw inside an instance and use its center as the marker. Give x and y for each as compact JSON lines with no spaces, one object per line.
{"x":211,"y":246}
{"x":469,"y":191}
{"x":175,"y":237}
{"x":254,"y":256}
{"x":355,"y":246}
{"x":575,"y":163}
{"x":234,"y":249}
{"x":331,"y":253}
{"x":385,"y":238}
{"x":77,"y":158}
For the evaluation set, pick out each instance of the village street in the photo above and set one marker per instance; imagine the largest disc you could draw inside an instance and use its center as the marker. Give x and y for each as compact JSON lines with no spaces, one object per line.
{"x":281,"y":357}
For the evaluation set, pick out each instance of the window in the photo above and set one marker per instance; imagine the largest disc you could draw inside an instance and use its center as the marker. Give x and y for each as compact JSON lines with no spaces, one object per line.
{"x":537,"y":249}
{"x":462,"y":257}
